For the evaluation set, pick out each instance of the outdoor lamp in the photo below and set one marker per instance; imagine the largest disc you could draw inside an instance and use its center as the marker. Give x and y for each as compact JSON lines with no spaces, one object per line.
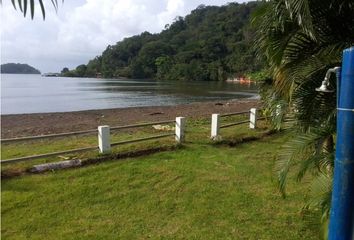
{"x":325,"y":82}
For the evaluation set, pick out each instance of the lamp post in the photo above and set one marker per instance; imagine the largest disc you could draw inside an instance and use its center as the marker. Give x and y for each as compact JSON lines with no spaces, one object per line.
{"x":341,"y":225}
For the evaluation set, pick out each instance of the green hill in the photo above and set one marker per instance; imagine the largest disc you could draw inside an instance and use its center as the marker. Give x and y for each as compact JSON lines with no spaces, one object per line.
{"x":211,"y":43}
{"x":18,"y":68}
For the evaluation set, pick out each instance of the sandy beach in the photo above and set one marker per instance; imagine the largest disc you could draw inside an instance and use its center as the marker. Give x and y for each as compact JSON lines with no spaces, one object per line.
{"x":19,"y":125}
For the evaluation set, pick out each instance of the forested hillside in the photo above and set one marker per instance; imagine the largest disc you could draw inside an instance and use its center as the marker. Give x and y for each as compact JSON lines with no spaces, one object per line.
{"x":211,"y":43}
{"x":18,"y":68}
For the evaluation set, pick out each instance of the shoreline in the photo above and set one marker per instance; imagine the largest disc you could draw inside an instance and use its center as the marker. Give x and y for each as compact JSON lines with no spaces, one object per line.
{"x":32,"y":124}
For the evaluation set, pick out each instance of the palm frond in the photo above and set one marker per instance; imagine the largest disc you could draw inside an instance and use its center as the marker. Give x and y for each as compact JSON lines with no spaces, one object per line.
{"x":23,"y":4}
{"x":320,"y":201}
{"x":304,"y":152}
{"x":300,"y":10}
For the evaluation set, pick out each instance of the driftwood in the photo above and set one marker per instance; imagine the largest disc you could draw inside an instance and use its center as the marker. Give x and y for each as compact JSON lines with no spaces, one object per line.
{"x":155,"y":113}
{"x":56,"y":165}
{"x":163,"y":127}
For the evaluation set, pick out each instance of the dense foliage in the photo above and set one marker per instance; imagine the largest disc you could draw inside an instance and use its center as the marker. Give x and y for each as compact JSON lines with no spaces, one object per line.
{"x":18,"y":68}
{"x":301,"y":39}
{"x":211,"y":43}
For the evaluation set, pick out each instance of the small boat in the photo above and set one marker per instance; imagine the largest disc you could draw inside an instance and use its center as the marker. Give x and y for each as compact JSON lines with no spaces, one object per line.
{"x":241,"y":80}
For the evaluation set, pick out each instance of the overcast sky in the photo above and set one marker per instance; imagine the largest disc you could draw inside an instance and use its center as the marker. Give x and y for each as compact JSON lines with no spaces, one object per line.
{"x":82,"y":29}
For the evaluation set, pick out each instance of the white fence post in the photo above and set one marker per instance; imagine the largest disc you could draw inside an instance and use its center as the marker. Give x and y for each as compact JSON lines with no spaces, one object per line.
{"x":104,"y":142}
{"x":180,"y":126}
{"x":253,"y":118}
{"x":215,"y":126}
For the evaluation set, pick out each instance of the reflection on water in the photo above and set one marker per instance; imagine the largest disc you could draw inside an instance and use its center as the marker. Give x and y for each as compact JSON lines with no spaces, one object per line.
{"x":33,"y":93}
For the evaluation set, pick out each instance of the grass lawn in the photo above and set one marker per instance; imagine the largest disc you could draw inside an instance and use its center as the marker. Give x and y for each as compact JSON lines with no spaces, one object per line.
{"x":200,"y":191}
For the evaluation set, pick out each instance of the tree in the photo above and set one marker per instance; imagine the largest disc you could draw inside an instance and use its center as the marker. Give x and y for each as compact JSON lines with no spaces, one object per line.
{"x":300,"y":40}
{"x":149,"y":53}
{"x":81,"y":70}
{"x":65,"y":70}
{"x":163,"y":65}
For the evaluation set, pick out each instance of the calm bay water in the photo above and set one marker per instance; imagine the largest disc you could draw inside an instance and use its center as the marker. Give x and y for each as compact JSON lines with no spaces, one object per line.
{"x":22,"y":93}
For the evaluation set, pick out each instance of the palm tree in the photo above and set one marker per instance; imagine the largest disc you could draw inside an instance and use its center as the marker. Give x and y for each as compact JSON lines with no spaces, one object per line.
{"x":300,"y":40}
{"x":23,"y":5}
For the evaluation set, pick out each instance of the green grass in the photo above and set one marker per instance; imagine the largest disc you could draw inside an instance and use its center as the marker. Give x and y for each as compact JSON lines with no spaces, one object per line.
{"x":199,"y":191}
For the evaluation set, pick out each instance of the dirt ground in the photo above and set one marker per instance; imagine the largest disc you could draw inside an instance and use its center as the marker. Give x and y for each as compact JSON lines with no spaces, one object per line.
{"x":48,"y":123}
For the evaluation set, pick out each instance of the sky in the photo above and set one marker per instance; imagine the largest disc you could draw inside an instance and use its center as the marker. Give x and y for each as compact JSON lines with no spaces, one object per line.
{"x":82,"y":29}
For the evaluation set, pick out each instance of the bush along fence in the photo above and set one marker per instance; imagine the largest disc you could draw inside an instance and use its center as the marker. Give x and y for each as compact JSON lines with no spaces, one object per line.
{"x":104,"y":135}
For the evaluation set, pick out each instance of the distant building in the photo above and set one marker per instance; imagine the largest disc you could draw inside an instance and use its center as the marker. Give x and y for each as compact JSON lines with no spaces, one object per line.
{"x":50,"y":74}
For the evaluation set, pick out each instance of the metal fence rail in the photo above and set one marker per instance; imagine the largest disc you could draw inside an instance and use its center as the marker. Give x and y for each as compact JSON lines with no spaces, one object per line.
{"x":20,"y":159}
{"x":101,"y":139}
{"x":80,"y":132}
{"x":142,"y":139}
{"x":142,"y":125}
{"x":104,"y":144}
{"x":234,"y":114}
{"x":47,"y":136}
{"x":234,"y":124}
{"x":216,"y":122}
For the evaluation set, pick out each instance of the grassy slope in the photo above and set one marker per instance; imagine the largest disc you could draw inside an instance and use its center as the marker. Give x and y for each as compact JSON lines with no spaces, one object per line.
{"x":201,"y":191}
